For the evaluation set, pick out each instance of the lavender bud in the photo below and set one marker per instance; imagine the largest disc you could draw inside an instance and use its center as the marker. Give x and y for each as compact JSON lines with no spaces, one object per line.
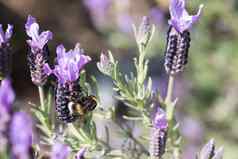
{"x":60,"y":151}
{"x":5,"y":51}
{"x":80,"y":154}
{"x":159,"y":134}
{"x":21,"y":135}
{"x":38,"y":54}
{"x":178,"y":37}
{"x":144,"y":32}
{"x":105,"y":65}
{"x":71,"y":102}
{"x":209,"y":151}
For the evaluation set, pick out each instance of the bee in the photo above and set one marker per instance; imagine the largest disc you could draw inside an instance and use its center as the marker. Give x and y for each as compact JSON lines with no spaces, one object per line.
{"x":82,"y":107}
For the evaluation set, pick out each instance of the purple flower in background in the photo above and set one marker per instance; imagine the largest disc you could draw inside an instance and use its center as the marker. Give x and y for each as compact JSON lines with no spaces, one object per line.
{"x":39,"y":53}
{"x":21,"y":135}
{"x":7,"y":95}
{"x":124,"y":22}
{"x":156,"y":15}
{"x":180,"y":19}
{"x":5,"y":36}
{"x":69,"y":64}
{"x":160,"y":120}
{"x":80,"y":154}
{"x":60,"y":151}
{"x":38,"y":40}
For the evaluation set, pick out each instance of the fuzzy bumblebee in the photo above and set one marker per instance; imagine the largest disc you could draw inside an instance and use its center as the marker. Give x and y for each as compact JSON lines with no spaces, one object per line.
{"x":176,"y":55}
{"x":72,"y":103}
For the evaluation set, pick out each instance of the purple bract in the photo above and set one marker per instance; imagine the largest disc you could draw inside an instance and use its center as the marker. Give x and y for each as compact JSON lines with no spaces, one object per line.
{"x":60,"y":151}
{"x":5,"y":37}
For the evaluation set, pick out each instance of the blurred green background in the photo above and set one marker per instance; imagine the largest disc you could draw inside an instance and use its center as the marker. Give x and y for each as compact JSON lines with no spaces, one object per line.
{"x":207,"y":90}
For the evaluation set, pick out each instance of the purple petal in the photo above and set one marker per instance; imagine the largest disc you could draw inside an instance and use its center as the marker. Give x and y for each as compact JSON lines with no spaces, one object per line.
{"x":7,"y":94}
{"x":44,"y":38}
{"x":60,"y":51}
{"x":9,"y":32}
{"x":83,"y":61}
{"x":60,"y":151}
{"x":80,"y":154}
{"x":219,"y":153}
{"x":32,"y":28}
{"x":160,"y":120}
{"x":47,"y":69}
{"x":2,"y":35}
{"x":177,"y":8}
{"x":207,"y":150}
{"x":21,"y":134}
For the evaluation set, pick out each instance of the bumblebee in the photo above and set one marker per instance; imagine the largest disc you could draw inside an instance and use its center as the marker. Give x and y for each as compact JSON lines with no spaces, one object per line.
{"x":84,"y":106}
{"x":71,"y":102}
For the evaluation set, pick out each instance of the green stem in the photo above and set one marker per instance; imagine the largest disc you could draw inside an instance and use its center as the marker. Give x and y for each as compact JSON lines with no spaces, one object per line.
{"x":169,"y":100}
{"x":42,"y":96}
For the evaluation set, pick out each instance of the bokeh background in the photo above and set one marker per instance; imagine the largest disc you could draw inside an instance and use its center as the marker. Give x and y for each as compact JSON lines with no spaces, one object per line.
{"x":207,"y":90}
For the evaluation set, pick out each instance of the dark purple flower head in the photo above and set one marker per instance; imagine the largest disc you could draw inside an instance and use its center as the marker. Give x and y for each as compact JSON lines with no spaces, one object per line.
{"x":7,"y":94}
{"x":180,"y":19}
{"x":80,"y":154}
{"x":38,"y":40}
{"x":160,"y":120}
{"x":5,"y":37}
{"x":21,"y":135}
{"x":69,"y":64}
{"x":60,"y":151}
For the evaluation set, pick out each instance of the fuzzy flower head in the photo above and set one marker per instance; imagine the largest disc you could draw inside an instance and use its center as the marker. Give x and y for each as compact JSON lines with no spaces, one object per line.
{"x":180,"y":19}
{"x":7,"y":94}
{"x":69,"y":64}
{"x":38,"y":40}
{"x":21,"y":135}
{"x":160,"y":121}
{"x":5,"y":36}
{"x":60,"y":151}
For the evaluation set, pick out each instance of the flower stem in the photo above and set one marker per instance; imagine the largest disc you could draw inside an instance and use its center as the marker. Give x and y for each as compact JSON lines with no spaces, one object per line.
{"x":169,"y":100}
{"x":42,"y":96}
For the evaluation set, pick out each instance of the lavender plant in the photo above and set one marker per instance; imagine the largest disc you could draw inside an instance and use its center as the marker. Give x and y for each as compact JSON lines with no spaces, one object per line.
{"x":73,"y":133}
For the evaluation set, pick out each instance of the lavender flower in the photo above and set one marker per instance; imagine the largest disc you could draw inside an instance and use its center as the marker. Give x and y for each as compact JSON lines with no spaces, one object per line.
{"x":39,"y":53}
{"x":21,"y":135}
{"x":6,"y":99}
{"x":69,"y":64}
{"x":68,"y":91}
{"x":210,"y":152}
{"x":180,"y":19}
{"x":159,"y":134}
{"x":80,"y":154}
{"x":60,"y":151}
{"x":178,"y":37}
{"x":5,"y":50}
{"x":156,"y":15}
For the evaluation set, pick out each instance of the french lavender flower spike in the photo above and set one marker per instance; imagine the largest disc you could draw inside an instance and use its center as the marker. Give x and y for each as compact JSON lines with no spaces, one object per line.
{"x":38,"y":54}
{"x":21,"y":130}
{"x":5,"y":51}
{"x":7,"y":97}
{"x":210,"y":152}
{"x":60,"y":151}
{"x":159,"y":134}
{"x":71,"y":102}
{"x":178,"y":36}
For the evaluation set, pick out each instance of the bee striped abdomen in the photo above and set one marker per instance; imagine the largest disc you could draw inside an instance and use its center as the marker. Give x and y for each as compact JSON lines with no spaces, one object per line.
{"x":176,"y":55}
